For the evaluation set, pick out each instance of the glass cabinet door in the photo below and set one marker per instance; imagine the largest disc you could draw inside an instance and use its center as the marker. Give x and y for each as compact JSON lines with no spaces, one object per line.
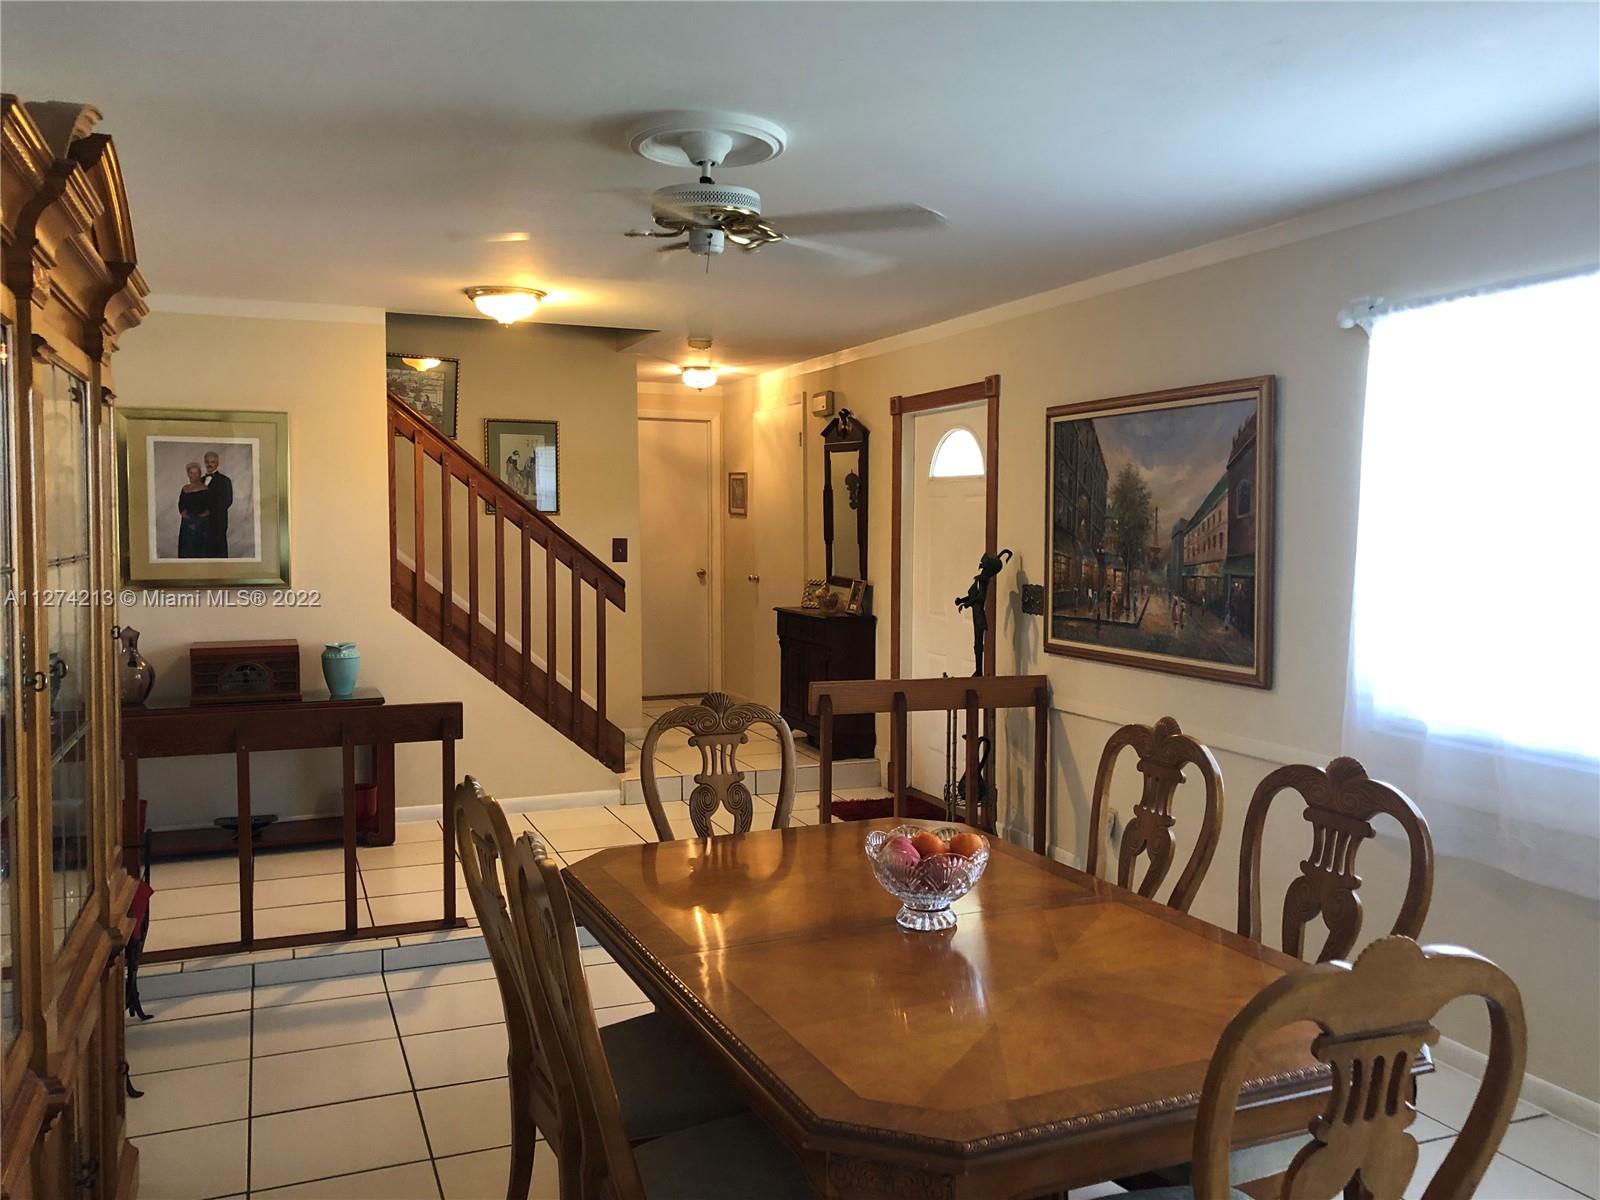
{"x":9,"y":946}
{"x":67,"y":614}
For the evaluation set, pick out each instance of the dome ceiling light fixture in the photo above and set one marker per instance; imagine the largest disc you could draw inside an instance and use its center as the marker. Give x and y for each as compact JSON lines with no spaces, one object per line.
{"x":421,"y":364}
{"x":508,"y":305}
{"x":703,"y":375}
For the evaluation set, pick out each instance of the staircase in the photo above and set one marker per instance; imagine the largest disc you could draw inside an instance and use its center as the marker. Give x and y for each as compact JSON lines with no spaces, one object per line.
{"x":441,"y":499}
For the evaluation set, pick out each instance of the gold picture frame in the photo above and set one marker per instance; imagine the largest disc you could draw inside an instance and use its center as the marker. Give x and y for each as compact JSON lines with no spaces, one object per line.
{"x":169,"y":533}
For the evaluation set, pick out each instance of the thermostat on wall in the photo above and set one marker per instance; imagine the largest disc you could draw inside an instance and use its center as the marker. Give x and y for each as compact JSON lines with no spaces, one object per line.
{"x":822,"y":404}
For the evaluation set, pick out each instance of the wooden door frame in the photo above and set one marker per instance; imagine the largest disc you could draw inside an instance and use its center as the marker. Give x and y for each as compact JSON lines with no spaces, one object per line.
{"x":986,"y":389}
{"x":715,"y":534}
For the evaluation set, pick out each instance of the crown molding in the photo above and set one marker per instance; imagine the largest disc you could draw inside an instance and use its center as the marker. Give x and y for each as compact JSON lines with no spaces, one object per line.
{"x":1552,"y":158}
{"x":267,"y":310}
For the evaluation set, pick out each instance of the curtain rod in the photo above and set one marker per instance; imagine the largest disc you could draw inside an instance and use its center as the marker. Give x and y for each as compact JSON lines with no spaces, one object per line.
{"x":1363,"y":310}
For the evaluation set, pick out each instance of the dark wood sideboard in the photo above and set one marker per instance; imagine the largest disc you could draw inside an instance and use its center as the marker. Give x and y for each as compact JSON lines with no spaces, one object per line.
{"x":816,"y":645}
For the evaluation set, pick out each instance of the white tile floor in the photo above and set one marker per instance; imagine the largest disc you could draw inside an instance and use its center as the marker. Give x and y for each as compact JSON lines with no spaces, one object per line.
{"x":374,"y":1070}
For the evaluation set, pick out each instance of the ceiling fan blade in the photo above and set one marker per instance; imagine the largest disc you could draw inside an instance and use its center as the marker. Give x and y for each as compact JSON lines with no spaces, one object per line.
{"x":845,"y":259}
{"x":673,"y":246}
{"x":886,"y":219}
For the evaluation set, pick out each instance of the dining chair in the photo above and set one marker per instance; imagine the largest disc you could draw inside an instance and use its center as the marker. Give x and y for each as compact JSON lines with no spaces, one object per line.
{"x":1163,"y":751}
{"x":717,"y":728}
{"x":1375,"y":1019}
{"x":663,"y":1080}
{"x":1340,"y":804}
{"x":730,"y":1158}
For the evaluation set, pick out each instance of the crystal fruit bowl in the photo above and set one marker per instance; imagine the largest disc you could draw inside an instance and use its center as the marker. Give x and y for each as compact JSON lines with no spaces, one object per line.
{"x":925,"y":884}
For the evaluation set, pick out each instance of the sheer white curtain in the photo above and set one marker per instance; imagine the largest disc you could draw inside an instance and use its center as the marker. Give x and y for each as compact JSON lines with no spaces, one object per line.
{"x":1475,"y":635}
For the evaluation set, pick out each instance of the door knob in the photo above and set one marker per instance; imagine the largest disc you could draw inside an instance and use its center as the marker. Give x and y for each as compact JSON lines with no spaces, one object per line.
{"x":753,"y":578}
{"x":701,"y":574}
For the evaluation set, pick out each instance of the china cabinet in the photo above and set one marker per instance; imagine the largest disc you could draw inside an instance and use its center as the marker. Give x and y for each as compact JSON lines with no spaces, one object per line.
{"x":71,"y":287}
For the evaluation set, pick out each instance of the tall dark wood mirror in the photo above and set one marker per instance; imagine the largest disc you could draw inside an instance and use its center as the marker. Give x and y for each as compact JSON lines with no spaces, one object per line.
{"x":844,"y":498}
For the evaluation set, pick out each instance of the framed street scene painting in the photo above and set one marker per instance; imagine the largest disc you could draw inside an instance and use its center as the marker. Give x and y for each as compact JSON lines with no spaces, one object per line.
{"x":427,"y":384}
{"x":1159,"y":536}
{"x":738,"y":493}
{"x":204,"y":497}
{"x":526,"y":456}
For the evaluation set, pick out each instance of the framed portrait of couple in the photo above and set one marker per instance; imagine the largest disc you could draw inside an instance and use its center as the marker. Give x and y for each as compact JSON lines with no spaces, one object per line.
{"x":204,"y":497}
{"x":526,"y":457}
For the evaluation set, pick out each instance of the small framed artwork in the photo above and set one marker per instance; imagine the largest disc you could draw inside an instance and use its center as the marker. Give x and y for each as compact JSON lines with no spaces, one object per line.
{"x":204,"y":497}
{"x":857,"y":602}
{"x":812,"y":596}
{"x":738,"y":494}
{"x":526,"y":457}
{"x":1159,"y":537}
{"x":428,"y":384}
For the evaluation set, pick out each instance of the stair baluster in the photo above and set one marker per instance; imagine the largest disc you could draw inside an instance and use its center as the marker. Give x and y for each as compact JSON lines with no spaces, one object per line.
{"x":491,"y":650}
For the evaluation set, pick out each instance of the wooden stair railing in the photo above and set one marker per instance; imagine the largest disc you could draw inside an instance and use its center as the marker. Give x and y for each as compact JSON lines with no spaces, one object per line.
{"x":464,"y":630}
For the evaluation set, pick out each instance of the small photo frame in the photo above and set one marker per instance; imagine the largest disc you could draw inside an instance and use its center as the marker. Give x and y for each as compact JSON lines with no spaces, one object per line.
{"x":857,"y":602}
{"x":526,"y":457}
{"x":428,"y":384}
{"x":812,"y":597}
{"x":738,"y":494}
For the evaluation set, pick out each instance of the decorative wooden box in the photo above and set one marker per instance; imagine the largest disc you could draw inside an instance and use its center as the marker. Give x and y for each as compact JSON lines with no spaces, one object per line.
{"x":243,"y":672}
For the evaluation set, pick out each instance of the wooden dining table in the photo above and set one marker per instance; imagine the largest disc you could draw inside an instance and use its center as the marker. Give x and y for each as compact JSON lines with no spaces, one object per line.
{"x":1057,"y":1036}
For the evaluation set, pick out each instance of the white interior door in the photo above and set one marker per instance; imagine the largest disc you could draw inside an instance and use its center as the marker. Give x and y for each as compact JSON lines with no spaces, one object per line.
{"x":675,"y":555}
{"x":777,"y":496}
{"x":946,"y":536}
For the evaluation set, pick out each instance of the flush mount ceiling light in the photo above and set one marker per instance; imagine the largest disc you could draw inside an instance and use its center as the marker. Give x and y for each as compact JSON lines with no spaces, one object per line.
{"x":704,"y":375}
{"x":508,"y":305}
{"x":421,"y":364}
{"x":699,"y":378}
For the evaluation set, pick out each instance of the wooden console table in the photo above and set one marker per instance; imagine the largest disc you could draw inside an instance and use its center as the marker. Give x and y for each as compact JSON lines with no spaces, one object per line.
{"x":186,"y":730}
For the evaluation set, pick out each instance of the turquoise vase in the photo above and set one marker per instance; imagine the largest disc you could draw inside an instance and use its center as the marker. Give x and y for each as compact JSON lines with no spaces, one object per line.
{"x":340,"y":662}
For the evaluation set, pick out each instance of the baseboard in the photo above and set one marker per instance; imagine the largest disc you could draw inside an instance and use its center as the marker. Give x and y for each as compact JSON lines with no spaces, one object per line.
{"x":1554,"y":1099}
{"x":1024,"y":837}
{"x":519,"y":804}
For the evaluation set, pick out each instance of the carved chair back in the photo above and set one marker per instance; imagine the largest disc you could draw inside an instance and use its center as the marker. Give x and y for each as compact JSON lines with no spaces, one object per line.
{"x":1163,"y":751}
{"x":717,"y":728}
{"x":1375,"y":1020}
{"x":594,"y":1156}
{"x":1340,"y":804}
{"x":484,"y":844}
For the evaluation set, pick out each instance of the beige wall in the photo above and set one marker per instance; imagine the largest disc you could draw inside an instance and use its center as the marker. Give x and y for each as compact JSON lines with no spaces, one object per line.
{"x":1268,"y":313}
{"x":329,"y":378}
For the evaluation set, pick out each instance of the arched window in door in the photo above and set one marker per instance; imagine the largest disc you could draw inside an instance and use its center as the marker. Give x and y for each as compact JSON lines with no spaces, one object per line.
{"x":957,"y":456}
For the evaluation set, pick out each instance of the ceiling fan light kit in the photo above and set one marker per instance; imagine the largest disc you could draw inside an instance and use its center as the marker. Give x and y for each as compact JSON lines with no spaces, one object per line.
{"x":508,"y":305}
{"x":702,"y":217}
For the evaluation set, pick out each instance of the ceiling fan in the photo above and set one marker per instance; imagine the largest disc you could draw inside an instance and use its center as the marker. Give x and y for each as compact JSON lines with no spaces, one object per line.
{"x":702,"y":217}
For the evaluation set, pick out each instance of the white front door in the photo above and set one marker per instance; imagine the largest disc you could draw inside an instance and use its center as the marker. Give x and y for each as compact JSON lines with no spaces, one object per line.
{"x":946,"y":536}
{"x":777,"y":499}
{"x":675,"y":555}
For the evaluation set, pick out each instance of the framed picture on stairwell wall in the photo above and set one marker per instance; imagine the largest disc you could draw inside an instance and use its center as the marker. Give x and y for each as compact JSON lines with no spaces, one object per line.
{"x":526,"y":457}
{"x":428,"y":384}
{"x":1159,"y":530}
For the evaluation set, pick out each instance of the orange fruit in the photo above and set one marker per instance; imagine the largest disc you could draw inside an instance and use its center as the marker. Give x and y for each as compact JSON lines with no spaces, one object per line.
{"x":967,"y":844}
{"x":929,"y":843}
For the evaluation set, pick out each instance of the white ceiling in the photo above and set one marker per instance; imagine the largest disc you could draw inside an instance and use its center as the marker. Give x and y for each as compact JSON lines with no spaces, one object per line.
{"x":364,"y":154}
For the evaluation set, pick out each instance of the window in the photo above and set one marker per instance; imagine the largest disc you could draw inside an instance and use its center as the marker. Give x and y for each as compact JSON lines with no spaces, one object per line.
{"x":1473,"y":657}
{"x":956,"y":456}
{"x":1241,"y":503}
